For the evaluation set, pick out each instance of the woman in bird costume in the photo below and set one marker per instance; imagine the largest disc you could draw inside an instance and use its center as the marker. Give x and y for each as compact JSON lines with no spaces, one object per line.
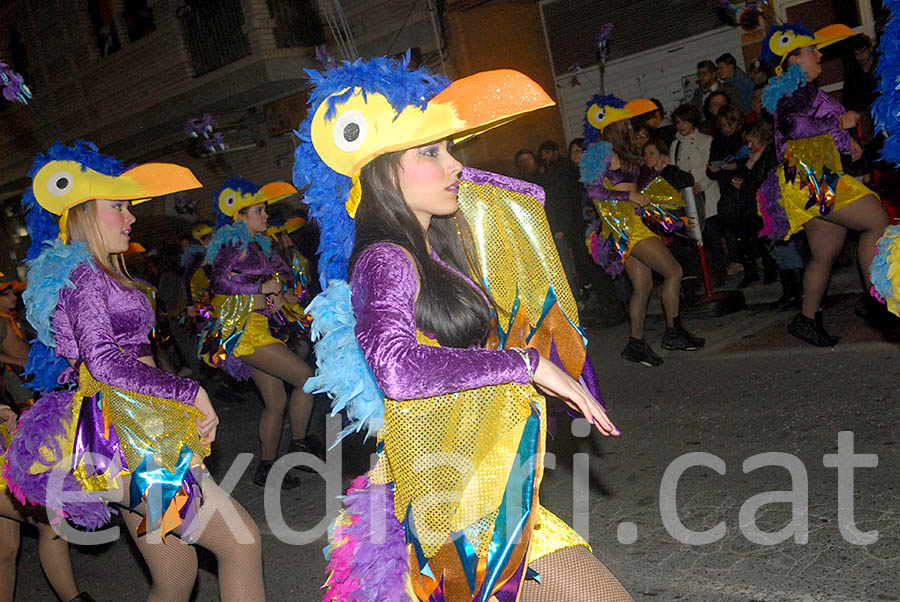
{"x":123,"y":430}
{"x":809,"y":188}
{"x":630,"y":199}
{"x":251,"y":286}
{"x":457,"y":302}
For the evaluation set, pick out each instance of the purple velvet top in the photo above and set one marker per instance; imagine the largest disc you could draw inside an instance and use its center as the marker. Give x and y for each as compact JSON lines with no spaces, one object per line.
{"x":640,"y":177}
{"x":809,"y":112}
{"x":105,"y":324}
{"x":241,"y":271}
{"x":383,"y":288}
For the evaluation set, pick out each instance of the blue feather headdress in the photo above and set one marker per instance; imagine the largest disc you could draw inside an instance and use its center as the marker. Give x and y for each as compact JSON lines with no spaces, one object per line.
{"x":326,"y":190}
{"x":798,"y":28}
{"x":41,"y":224}
{"x":592,"y":134}
{"x":242,"y":185}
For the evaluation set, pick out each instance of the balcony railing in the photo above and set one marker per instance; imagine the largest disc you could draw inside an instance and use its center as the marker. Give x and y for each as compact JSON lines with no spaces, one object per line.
{"x":214,"y":33}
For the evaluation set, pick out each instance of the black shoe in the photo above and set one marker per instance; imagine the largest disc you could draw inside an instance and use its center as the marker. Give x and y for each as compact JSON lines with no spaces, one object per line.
{"x":678,"y":339}
{"x":83,"y":597}
{"x":262,"y":475}
{"x":820,"y":326}
{"x":750,"y":276}
{"x":791,"y":290}
{"x":638,"y":351}
{"x":309,"y":445}
{"x":805,"y":329}
{"x":770,"y":271}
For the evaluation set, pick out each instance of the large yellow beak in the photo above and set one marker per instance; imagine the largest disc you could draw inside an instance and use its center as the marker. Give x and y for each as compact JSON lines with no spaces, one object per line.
{"x":274,"y":192}
{"x":601,"y":117}
{"x":831,"y":34}
{"x":366,"y":126}
{"x":150,"y":180}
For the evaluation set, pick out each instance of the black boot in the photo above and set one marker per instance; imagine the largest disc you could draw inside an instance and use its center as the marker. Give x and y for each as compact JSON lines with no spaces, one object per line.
{"x":83,"y":597}
{"x":309,"y":445}
{"x":791,"y":290}
{"x":639,"y":352}
{"x":770,"y":270}
{"x":820,"y":326}
{"x":806,"y":330}
{"x":677,"y":338}
{"x":262,"y":476}
{"x":751,"y":275}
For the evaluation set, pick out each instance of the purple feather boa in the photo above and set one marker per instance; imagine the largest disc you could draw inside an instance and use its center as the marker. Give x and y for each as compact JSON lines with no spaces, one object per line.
{"x":39,"y":427}
{"x":377,"y":565}
{"x":237,"y":369}
{"x":775,"y":221}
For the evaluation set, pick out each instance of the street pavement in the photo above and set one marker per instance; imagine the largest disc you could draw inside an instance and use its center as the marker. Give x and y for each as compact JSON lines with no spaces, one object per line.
{"x":752,"y":390}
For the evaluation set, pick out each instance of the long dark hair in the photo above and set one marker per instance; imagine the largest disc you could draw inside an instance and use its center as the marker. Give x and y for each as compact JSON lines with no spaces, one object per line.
{"x":621,"y":138}
{"x":447,"y":307}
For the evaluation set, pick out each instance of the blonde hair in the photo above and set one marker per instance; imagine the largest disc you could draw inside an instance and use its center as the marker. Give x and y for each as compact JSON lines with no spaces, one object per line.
{"x":83,"y":224}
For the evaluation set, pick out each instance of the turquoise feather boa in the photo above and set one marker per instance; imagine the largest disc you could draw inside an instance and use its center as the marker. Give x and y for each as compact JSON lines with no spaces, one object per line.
{"x":48,"y":274}
{"x":783,"y":85}
{"x":236,"y":235}
{"x":595,"y":163}
{"x":343,"y":372}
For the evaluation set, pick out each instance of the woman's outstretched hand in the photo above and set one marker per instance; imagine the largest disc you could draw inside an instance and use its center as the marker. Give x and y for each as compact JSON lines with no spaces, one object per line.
{"x":8,"y":418}
{"x":554,"y":381}
{"x":206,"y":427}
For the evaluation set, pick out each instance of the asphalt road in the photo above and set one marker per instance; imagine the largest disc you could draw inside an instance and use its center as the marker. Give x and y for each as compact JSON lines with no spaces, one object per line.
{"x":753,"y":390}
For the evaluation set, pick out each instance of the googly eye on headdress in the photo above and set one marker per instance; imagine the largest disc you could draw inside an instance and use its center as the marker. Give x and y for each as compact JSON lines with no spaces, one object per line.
{"x":782,"y":41}
{"x":60,"y":183}
{"x":229,"y":199}
{"x":596,"y":115}
{"x":350,"y":131}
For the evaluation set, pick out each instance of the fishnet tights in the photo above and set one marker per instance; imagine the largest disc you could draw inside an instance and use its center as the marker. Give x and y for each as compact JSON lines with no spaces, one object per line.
{"x":573,"y":574}
{"x":173,"y":564}
{"x":52,"y":550}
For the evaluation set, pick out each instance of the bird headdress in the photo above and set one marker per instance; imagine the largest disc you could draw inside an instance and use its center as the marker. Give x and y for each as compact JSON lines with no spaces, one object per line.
{"x":606,"y":110}
{"x":781,"y":40}
{"x":239,"y":193}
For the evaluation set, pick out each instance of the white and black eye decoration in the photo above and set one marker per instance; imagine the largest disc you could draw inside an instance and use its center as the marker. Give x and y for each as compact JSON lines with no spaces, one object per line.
{"x":60,"y":183}
{"x":596,"y":115}
{"x":350,"y":131}
{"x":785,"y":39}
{"x":230,"y":199}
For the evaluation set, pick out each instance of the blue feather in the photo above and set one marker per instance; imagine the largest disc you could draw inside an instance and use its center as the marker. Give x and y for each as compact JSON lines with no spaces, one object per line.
{"x":343,"y":372}
{"x":595,"y":162}
{"x":783,"y":85}
{"x":326,"y":191}
{"x":799,"y":29}
{"x":236,"y":235}
{"x":45,"y":366}
{"x":886,"y":108}
{"x":48,"y":274}
{"x":592,"y":134}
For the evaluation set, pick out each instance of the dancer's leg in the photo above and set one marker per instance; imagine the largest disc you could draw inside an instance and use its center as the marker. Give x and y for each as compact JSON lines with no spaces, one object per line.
{"x":53,"y":552}
{"x":271,"y":389}
{"x":641,"y":284}
{"x":825,"y":241}
{"x":654,"y":254}
{"x":573,"y":574}
{"x":869,"y":217}
{"x":9,"y":549}
{"x":235,"y":543}
{"x":277,"y":360}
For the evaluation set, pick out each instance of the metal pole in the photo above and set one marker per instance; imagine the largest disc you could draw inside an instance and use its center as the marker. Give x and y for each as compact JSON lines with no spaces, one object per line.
{"x":437,"y":37}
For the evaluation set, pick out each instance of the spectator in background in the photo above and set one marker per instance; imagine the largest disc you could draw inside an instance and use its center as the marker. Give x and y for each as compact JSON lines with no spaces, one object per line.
{"x":732,"y":75}
{"x":714,"y":104}
{"x":563,"y":205}
{"x":526,"y":165}
{"x":642,"y":134}
{"x":759,"y":73}
{"x":706,"y":80}
{"x":724,"y":155}
{"x":576,"y":149}
{"x":860,"y":85}
{"x":659,"y":125}
{"x":690,"y":152}
{"x":757,"y":111}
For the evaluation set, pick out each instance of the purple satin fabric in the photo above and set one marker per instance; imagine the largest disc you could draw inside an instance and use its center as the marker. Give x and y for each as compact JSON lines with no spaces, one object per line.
{"x":809,"y":112}
{"x":89,"y":437}
{"x":383,"y":289}
{"x":105,"y":324}
{"x":241,"y":271}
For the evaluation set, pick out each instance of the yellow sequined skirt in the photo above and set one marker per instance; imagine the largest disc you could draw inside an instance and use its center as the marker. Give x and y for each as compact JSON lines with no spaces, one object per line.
{"x":620,"y":217}
{"x":256,"y":334}
{"x":815,"y":155}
